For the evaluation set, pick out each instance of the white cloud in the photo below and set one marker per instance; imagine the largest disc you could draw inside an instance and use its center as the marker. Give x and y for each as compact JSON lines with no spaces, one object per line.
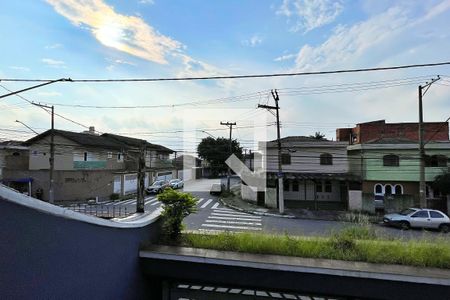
{"x":310,"y":14}
{"x":19,"y":68}
{"x":49,"y":94}
{"x":254,"y":41}
{"x":151,"y":2}
{"x":53,"y":46}
{"x":128,"y":34}
{"x":53,"y":63}
{"x":285,"y":57}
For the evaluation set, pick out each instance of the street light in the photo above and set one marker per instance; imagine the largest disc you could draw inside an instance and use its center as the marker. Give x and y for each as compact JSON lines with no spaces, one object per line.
{"x":17,"y":121}
{"x":209,"y":134}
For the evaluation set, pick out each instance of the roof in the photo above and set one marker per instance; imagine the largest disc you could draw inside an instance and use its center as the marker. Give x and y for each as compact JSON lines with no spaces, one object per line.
{"x":299,"y":138}
{"x":313,"y":176}
{"x":106,"y":140}
{"x":393,"y":140}
{"x":304,"y":142}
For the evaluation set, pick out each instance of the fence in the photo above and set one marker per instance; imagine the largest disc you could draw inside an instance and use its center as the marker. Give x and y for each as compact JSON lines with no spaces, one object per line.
{"x":101,"y":211}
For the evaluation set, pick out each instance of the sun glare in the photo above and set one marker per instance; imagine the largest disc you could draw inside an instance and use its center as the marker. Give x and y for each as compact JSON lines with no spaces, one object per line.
{"x":110,"y":34}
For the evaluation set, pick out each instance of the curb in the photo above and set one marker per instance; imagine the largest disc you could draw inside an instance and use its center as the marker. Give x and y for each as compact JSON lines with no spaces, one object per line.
{"x":255,"y":212}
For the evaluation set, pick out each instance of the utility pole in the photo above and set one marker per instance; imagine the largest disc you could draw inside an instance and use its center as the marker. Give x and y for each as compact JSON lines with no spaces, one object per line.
{"x":229,"y":125}
{"x":34,"y":87}
{"x":422,"y":183}
{"x":280,"y":195}
{"x":51,"y":196}
{"x":140,"y":180}
{"x":176,"y":165}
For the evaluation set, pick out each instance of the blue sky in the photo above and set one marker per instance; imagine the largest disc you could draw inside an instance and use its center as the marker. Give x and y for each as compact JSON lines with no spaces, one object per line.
{"x":143,"y":38}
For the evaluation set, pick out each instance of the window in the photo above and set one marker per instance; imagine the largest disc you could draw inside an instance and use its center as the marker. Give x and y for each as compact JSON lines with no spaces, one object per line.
{"x":436,"y":215}
{"x":436,"y":161}
{"x":388,"y":189}
{"x":285,"y":159}
{"x":326,"y":159}
{"x":319,"y":187}
{"x":328,"y":186}
{"x":119,"y":157}
{"x":109,"y":154}
{"x":391,"y":160}
{"x":378,"y":189}
{"x":398,"y":189}
{"x":420,"y":214}
{"x":286,"y":183}
{"x":85,"y":156}
{"x":295,"y":186}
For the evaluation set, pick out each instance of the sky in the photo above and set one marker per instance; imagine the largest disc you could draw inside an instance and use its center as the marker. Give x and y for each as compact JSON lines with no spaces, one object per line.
{"x":104,"y":39}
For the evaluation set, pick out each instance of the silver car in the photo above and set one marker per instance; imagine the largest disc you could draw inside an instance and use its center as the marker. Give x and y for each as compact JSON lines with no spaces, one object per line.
{"x":417,"y":217}
{"x":176,"y":183}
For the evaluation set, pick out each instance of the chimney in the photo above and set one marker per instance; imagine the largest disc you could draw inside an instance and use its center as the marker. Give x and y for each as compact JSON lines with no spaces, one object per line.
{"x":91,"y":129}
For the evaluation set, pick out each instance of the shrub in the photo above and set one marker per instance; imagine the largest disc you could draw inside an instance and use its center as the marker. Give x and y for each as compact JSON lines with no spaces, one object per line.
{"x":177,"y":206}
{"x":114,"y":196}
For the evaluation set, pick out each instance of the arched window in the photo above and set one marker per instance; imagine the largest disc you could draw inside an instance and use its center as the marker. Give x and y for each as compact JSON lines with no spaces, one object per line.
{"x":378,"y":189}
{"x":326,"y":159}
{"x":388,"y":189}
{"x":391,"y":160}
{"x":398,"y":189}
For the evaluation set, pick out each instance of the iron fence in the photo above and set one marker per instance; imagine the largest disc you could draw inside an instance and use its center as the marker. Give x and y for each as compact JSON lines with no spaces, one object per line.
{"x":102,"y":211}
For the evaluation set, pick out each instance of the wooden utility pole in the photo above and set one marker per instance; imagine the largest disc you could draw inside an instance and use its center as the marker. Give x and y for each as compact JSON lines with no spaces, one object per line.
{"x":140,"y":180}
{"x":422,"y":183}
{"x":51,"y":194}
{"x":229,"y":125}
{"x":280,"y":195}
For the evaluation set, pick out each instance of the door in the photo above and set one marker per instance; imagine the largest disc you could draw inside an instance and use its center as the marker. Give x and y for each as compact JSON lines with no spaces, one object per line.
{"x":421,"y":219}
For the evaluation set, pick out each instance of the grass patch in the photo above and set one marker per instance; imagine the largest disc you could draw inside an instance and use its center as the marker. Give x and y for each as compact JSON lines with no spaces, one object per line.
{"x":350,"y":244}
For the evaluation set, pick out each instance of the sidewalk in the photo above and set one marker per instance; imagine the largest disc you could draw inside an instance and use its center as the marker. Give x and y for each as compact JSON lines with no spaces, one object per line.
{"x":237,"y":203}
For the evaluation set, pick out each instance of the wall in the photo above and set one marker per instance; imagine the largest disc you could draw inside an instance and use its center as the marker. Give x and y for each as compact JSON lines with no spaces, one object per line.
{"x":247,"y":193}
{"x":48,"y":252}
{"x":355,"y":200}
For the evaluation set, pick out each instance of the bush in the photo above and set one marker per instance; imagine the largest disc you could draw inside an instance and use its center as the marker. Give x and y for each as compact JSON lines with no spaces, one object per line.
{"x":177,"y":206}
{"x":114,"y":196}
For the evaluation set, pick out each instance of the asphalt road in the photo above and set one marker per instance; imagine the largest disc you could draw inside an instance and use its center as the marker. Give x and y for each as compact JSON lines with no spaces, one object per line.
{"x":213,"y":216}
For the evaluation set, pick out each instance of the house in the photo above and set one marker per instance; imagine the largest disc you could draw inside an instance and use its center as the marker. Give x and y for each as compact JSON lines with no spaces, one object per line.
{"x":368,"y":131}
{"x":88,"y":165}
{"x":389,"y":167}
{"x":316,"y":172}
{"x":14,"y":156}
{"x":188,"y":167}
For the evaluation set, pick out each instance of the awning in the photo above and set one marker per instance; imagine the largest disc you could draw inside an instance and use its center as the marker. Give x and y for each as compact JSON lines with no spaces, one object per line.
{"x":18,"y":180}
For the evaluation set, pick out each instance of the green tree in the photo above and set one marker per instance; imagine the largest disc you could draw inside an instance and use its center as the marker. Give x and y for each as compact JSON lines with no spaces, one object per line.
{"x":318,"y":136}
{"x":216,"y":151}
{"x":177,"y":206}
{"x":442,"y":183}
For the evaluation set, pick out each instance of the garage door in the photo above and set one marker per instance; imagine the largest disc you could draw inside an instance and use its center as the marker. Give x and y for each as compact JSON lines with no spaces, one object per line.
{"x":164,"y":176}
{"x":130,"y":183}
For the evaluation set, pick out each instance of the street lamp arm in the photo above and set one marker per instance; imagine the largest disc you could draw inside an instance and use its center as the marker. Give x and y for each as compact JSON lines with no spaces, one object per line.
{"x":34,"y":87}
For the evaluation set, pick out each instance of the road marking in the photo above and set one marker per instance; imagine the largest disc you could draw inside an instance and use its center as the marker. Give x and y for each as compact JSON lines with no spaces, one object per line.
{"x":236,"y":215}
{"x":200,"y":200}
{"x":156,"y":203}
{"x":215,"y":205}
{"x":233,"y":222}
{"x":151,"y":201}
{"x":231,"y":227}
{"x":233,"y":212}
{"x":232,"y":218}
{"x":206,"y":203}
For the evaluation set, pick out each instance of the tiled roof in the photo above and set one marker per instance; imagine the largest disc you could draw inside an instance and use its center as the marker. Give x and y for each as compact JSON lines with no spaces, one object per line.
{"x":395,"y":140}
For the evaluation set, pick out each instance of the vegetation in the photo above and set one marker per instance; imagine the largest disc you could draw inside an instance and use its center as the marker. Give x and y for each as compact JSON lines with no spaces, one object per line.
{"x":318,"y":136}
{"x":352,"y":244}
{"x":216,"y":151}
{"x":114,"y":196}
{"x":177,"y":206}
{"x":442,"y":183}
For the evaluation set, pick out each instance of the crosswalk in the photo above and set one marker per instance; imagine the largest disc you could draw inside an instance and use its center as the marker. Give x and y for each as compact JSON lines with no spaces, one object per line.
{"x":225,"y":219}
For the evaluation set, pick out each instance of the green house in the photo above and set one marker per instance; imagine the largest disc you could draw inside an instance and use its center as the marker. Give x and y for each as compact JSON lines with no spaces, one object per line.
{"x":390,"y":166}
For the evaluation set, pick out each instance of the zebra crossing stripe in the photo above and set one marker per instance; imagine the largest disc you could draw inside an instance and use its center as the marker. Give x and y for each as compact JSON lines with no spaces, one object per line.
{"x":233,"y":213}
{"x":215,"y":205}
{"x":206,"y":203}
{"x":231,"y":227}
{"x":233,"y":222}
{"x":232,"y":218}
{"x":236,"y":215}
{"x":151,"y":201}
{"x":200,"y":200}
{"x":155,"y":203}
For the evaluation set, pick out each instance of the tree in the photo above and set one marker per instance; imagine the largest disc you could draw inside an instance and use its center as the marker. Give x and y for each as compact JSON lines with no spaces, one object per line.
{"x":442,"y":183}
{"x":177,"y":206}
{"x":216,"y":151}
{"x":318,"y":136}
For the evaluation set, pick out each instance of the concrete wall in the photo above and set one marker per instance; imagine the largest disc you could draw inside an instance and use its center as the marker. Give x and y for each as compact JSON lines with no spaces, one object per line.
{"x":248,"y":193}
{"x":48,"y":252}
{"x":271,"y":197}
{"x":355,"y":200}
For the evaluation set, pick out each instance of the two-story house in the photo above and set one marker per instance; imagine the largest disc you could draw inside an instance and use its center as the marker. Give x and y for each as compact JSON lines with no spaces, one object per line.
{"x":315,"y":172}
{"x":88,"y":165}
{"x":14,"y":156}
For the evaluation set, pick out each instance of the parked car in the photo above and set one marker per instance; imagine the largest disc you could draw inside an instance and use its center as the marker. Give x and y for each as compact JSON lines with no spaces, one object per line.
{"x":417,"y":217}
{"x":216,"y":189}
{"x":157,"y":187}
{"x":176,"y":183}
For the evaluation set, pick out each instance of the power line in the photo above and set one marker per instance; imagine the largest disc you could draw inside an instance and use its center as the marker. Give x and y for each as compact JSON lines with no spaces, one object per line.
{"x":343,"y":71}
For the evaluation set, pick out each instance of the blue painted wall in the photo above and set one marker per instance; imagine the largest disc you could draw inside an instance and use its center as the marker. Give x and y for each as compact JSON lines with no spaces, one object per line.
{"x":48,"y":257}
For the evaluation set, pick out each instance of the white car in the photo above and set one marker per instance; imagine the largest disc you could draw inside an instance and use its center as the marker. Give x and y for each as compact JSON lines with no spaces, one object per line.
{"x":176,"y":183}
{"x":417,"y":217}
